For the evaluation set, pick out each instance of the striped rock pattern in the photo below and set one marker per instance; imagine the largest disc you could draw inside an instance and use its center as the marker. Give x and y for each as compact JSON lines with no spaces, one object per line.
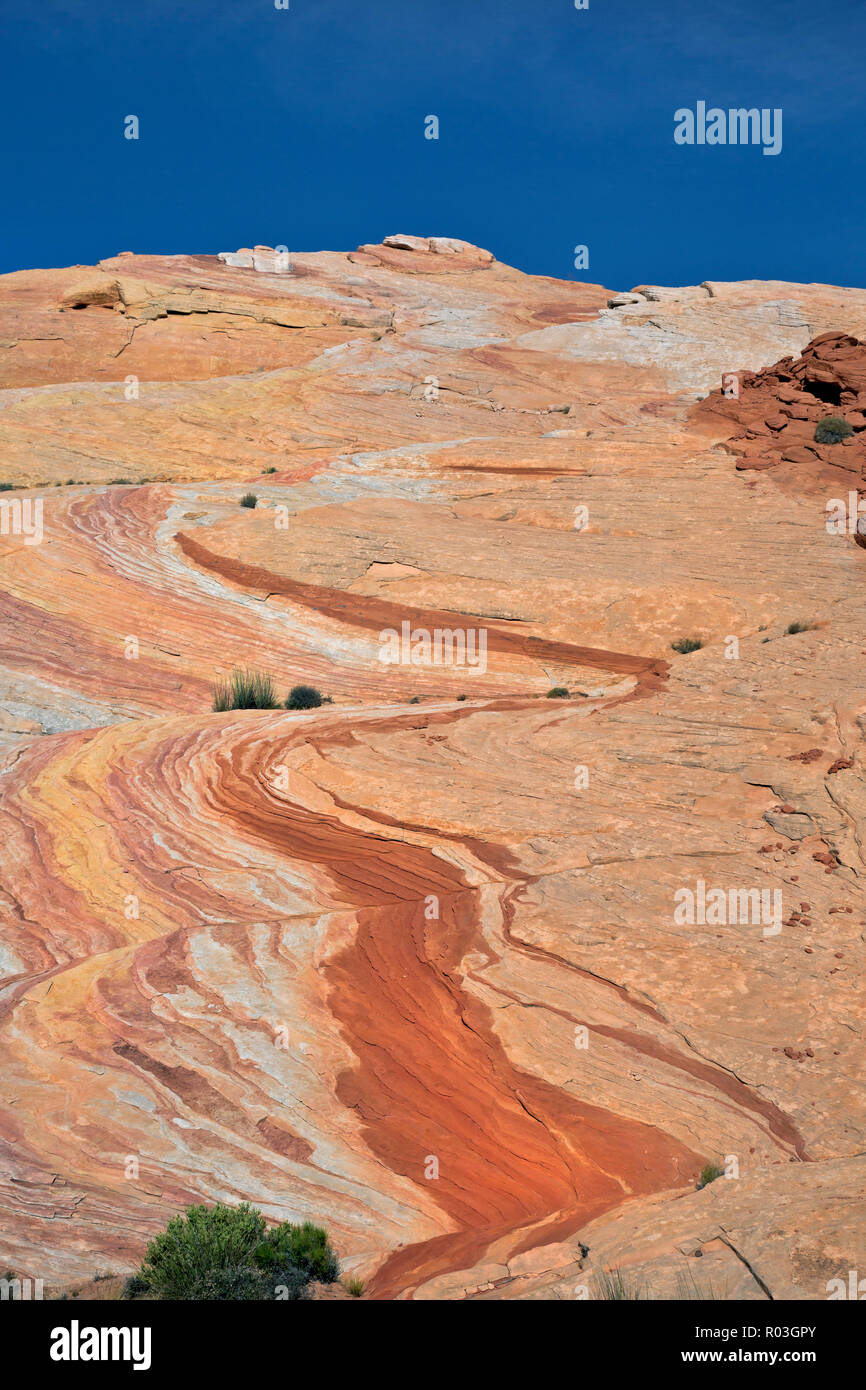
{"x":416,"y":970}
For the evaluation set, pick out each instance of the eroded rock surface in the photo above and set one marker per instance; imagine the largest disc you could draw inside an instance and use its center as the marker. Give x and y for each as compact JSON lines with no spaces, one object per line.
{"x":780,"y":408}
{"x":422,"y":971}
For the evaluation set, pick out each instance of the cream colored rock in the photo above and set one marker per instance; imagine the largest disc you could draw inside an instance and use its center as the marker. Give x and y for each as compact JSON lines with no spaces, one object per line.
{"x":691,"y":336}
{"x":408,"y":243}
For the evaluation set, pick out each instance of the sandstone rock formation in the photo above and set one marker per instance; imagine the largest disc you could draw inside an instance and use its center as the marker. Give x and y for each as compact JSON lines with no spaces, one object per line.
{"x":780,"y":407}
{"x":416,"y":970}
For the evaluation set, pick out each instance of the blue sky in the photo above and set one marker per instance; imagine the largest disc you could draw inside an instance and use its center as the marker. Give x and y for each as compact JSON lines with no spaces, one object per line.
{"x":305,"y":128}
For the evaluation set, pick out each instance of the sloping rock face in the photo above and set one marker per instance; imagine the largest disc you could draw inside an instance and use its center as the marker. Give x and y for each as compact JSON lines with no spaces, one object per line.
{"x":478,"y":979}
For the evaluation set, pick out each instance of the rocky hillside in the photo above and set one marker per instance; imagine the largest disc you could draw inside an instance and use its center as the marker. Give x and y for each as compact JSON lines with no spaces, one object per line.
{"x":474,"y":977}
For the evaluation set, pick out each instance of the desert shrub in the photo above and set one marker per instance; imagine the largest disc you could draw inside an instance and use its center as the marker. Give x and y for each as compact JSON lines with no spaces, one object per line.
{"x":304,"y":697}
{"x":709,"y":1174}
{"x":244,"y":689}
{"x":206,"y":1253}
{"x":558,"y":692}
{"x":135,"y":1287}
{"x":353,"y":1285}
{"x":416,"y":700}
{"x":8,"y":487}
{"x":249,"y":499}
{"x":832,"y":430}
{"x":305,"y":1247}
{"x":228,"y":1253}
{"x":461,"y":697}
{"x":793,"y":628}
{"x":284,"y":1283}
{"x":236,"y":1283}
{"x":614,"y":1287}
{"x":269,"y":470}
{"x":684,"y":645}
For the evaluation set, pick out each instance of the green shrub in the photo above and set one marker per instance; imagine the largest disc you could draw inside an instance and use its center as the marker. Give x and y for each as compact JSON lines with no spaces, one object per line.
{"x":135,"y":1287}
{"x":793,"y":628}
{"x":686,"y":644}
{"x":306,"y":1247}
{"x":268,"y":470}
{"x":709,"y":1174}
{"x":832,"y":430}
{"x":558,"y":692}
{"x":304,"y":697}
{"x":284,"y":1283}
{"x":249,"y":499}
{"x":8,"y":487}
{"x":205,"y":1253}
{"x":244,"y":689}
{"x":237,"y":1283}
{"x":228,"y":1253}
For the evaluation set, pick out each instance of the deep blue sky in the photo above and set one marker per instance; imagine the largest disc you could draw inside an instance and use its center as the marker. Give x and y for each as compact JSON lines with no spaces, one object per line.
{"x":306,"y":128}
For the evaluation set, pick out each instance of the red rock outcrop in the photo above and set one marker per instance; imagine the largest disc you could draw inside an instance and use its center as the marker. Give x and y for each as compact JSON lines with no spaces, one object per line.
{"x":778,"y":408}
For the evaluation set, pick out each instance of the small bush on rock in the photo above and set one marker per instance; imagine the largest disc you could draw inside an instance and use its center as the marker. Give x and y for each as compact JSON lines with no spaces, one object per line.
{"x":832,"y":430}
{"x":205,"y":1253}
{"x":686,"y":644}
{"x":304,"y":697}
{"x":709,"y":1174}
{"x":305,"y":1247}
{"x":244,"y":690}
{"x":228,"y":1253}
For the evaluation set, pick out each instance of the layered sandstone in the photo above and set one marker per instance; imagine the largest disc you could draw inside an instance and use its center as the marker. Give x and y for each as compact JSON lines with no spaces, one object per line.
{"x":415,"y":970}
